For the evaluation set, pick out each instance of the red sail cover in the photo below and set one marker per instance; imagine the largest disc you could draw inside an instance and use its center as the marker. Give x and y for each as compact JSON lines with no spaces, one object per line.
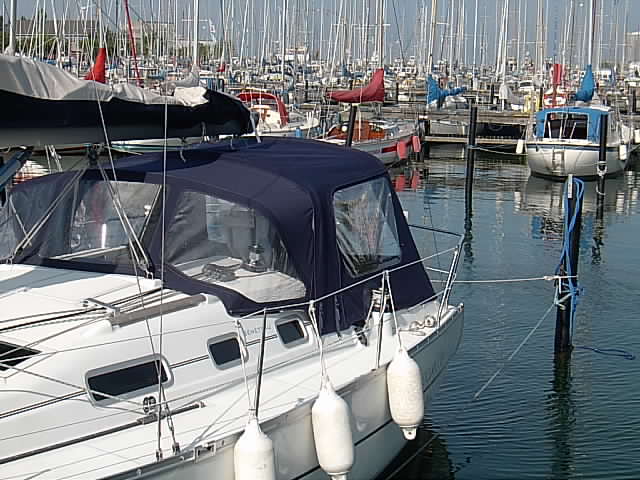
{"x":97,"y":73}
{"x":374,"y":92}
{"x":558,"y":73}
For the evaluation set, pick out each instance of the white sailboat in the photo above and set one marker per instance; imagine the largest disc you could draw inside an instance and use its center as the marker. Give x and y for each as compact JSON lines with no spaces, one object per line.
{"x":157,"y":318}
{"x":566,"y":140}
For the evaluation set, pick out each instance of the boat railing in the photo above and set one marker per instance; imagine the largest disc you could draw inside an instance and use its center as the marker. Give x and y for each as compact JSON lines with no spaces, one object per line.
{"x":427,"y":239}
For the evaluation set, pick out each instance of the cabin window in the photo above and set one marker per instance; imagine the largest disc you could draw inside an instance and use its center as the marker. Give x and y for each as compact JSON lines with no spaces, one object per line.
{"x":126,"y":380}
{"x":566,"y":125}
{"x":12,"y":355}
{"x":291,"y":332}
{"x":227,"y":244}
{"x":366,"y":226}
{"x":225,"y":351}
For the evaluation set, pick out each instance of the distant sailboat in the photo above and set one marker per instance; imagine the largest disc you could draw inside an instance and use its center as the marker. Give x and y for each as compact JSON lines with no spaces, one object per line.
{"x":566,"y":139}
{"x":387,"y":140}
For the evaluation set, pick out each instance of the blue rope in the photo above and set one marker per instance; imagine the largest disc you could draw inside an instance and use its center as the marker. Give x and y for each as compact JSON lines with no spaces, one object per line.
{"x":575,"y":290}
{"x":616,"y":352}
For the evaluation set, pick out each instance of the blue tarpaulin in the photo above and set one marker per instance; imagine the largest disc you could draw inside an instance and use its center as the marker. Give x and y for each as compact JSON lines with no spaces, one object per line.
{"x":434,"y":92}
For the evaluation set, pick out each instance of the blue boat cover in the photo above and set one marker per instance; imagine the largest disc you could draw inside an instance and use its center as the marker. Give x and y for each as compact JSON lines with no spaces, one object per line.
{"x":434,"y":92}
{"x":289,"y":181}
{"x":593,"y":114}
{"x":587,"y":87}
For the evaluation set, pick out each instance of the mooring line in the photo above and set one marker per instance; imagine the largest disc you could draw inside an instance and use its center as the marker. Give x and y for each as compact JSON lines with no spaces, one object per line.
{"x":547,"y":278}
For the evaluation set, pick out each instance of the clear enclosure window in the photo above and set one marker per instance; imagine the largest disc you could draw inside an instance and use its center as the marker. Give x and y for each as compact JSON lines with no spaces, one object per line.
{"x":566,"y":125}
{"x":96,"y":223}
{"x":224,"y":243}
{"x":366,"y":226}
{"x":85,"y":224}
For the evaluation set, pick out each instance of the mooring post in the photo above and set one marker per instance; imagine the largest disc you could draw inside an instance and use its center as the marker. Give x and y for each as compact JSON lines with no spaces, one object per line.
{"x":568,"y":286}
{"x":634,"y":95}
{"x":470,"y":154}
{"x":306,"y":91}
{"x":602,"y":158}
{"x":351,"y":125}
{"x":426,"y":146}
{"x":492,"y":93}
{"x":397,"y":91}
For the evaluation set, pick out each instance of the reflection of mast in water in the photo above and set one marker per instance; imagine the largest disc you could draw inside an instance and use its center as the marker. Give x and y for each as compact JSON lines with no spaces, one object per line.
{"x":561,"y":414}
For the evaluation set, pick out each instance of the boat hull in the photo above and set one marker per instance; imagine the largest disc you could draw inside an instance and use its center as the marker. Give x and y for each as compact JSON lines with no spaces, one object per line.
{"x":555,"y":160}
{"x":377,"y":438}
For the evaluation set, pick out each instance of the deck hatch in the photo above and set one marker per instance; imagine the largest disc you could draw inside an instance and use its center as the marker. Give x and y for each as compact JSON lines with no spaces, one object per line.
{"x":11,"y":355}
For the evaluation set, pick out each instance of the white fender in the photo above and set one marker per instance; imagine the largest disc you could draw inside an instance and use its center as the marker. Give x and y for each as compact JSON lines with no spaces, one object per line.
{"x":332,"y":433}
{"x":253,"y":455}
{"x":406,"y":400}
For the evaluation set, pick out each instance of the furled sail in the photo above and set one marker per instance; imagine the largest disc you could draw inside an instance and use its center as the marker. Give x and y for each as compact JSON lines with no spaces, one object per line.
{"x":98,"y":71}
{"x":587,"y":87}
{"x":436,"y":93}
{"x":373,"y":92}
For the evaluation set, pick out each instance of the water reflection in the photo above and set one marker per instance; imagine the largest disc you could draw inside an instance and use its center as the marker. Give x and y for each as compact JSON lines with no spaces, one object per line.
{"x":429,"y":457}
{"x":564,"y":421}
{"x":561,"y":417}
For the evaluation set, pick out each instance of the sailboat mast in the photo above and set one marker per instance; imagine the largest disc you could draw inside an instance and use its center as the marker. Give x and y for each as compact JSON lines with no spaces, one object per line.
{"x":592,"y":20}
{"x":380,"y":33}
{"x":196,"y":22}
{"x":540,"y":39}
{"x":11,"y":48}
{"x":432,"y":34}
{"x":283,"y":41}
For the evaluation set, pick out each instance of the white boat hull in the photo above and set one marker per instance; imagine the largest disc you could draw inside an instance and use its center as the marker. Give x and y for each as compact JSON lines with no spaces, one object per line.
{"x":205,"y":455}
{"x":377,"y":438}
{"x":556,"y":160}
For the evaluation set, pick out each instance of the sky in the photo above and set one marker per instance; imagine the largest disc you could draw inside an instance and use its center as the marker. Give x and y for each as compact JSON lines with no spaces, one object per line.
{"x":403,"y":17}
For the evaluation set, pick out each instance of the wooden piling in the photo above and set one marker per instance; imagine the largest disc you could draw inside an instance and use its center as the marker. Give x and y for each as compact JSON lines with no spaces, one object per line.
{"x":351,"y":126}
{"x":564,"y":312}
{"x":602,"y":155}
{"x":470,"y":156}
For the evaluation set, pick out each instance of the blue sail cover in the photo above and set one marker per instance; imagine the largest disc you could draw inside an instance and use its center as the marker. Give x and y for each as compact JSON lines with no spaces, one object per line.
{"x":437,"y":93}
{"x":587,"y":87}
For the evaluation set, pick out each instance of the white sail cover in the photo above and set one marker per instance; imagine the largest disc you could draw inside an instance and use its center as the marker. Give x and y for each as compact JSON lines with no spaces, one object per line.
{"x":31,"y":78}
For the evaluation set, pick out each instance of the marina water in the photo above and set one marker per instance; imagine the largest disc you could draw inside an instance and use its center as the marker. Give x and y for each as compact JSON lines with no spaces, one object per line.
{"x":537,"y":418}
